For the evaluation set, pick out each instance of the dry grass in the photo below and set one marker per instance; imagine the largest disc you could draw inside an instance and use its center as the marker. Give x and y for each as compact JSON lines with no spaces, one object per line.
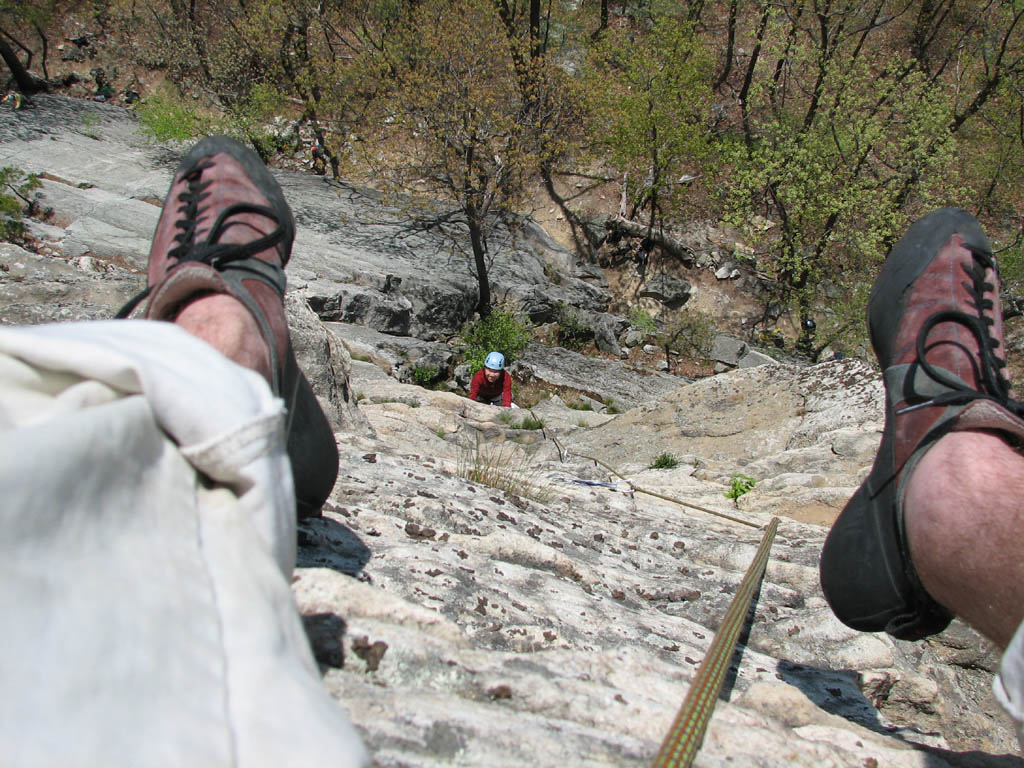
{"x":506,"y":467}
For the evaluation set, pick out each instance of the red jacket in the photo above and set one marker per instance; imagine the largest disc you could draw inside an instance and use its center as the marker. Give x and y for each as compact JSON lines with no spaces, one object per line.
{"x":482,"y":390}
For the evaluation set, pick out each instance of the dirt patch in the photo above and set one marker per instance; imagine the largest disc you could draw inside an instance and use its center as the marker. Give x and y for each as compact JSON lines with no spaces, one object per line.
{"x":818,"y":514}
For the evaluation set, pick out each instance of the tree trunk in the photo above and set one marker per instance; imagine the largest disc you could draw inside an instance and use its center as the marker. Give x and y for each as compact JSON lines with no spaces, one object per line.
{"x":26,"y":82}
{"x":478,"y":241}
{"x":656,"y":236}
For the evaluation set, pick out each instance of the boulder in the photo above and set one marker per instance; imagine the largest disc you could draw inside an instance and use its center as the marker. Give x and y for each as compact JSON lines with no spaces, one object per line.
{"x":671,"y":291}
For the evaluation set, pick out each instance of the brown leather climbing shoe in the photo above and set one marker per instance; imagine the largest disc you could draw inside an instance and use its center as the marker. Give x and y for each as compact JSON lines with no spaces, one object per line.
{"x":936,"y":329}
{"x":226,"y":228}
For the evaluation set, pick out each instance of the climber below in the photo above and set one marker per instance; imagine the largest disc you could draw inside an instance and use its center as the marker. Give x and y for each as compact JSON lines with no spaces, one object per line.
{"x":491,"y":384}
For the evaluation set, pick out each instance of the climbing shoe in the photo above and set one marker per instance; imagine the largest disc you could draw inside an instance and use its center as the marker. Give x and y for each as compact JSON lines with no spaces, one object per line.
{"x":936,"y":329}
{"x":226,"y":228}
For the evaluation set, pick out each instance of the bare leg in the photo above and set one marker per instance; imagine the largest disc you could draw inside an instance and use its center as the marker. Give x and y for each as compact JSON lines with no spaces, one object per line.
{"x":964,"y":518}
{"x":224,"y":323}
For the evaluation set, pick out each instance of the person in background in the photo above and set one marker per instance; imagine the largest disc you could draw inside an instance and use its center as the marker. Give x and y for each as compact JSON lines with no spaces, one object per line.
{"x":492,"y":384}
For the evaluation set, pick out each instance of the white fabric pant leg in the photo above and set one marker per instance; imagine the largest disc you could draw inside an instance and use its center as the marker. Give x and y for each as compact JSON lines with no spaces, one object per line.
{"x":146,"y":548}
{"x":1008,"y":685}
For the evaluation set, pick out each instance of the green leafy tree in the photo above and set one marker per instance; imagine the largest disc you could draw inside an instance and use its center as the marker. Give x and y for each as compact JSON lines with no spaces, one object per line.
{"x":853,"y":118}
{"x":649,"y":97}
{"x":449,"y":124}
{"x":22,"y":34}
{"x":19,"y":196}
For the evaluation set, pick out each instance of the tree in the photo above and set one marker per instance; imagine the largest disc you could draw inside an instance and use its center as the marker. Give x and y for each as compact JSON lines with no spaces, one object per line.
{"x":841,"y":141}
{"x":16,"y":20}
{"x":649,"y":97}
{"x":449,"y":124}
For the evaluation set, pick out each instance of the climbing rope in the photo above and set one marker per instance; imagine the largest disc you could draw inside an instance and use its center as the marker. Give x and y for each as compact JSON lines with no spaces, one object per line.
{"x":687,"y":731}
{"x":680,"y":502}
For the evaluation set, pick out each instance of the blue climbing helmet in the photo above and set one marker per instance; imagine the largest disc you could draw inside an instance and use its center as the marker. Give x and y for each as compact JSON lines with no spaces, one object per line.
{"x":495,"y":361}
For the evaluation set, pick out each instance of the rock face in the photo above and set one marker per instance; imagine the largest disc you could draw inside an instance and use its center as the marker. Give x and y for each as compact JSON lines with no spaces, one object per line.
{"x":480,"y":593}
{"x":358,"y":257}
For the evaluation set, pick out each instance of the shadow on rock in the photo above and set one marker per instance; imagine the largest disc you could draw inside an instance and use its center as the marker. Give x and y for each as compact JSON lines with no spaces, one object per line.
{"x":326,"y":634}
{"x":326,"y":543}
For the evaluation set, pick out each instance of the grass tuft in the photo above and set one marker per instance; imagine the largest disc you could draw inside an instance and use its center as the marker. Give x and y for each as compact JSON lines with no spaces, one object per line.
{"x":665,"y":461}
{"x":506,"y":467}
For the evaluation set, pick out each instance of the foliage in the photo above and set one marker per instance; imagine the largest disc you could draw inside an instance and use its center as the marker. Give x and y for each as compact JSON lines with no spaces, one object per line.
{"x":573,"y":331}
{"x":642,"y":320}
{"x":452,"y":125}
{"x":424,"y":375}
{"x":649,"y":99}
{"x":739,"y":484}
{"x":19,"y":196}
{"x":165,"y":117}
{"x":505,"y":467}
{"x":664,"y":461}
{"x":502,"y":331}
{"x":690,"y":333}
{"x":823,"y":129}
{"x":844,"y":136}
{"x":529,"y":422}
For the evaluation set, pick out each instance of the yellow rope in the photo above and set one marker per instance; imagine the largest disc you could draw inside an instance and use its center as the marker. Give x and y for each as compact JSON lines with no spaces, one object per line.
{"x":680,"y":502}
{"x":687,"y":731}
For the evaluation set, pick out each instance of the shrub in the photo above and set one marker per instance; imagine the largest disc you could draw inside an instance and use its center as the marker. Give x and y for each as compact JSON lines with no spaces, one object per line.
{"x":641,"y":320}
{"x":167,"y":118}
{"x":691,"y":333}
{"x":424,"y":375}
{"x":500,"y":331}
{"x":664,"y":461}
{"x":19,"y":196}
{"x":573,"y":332}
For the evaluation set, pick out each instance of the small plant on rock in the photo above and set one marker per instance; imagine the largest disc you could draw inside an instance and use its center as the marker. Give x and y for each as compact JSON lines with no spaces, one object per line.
{"x":665,"y":461}
{"x":19,"y":196}
{"x":573,"y":332}
{"x":506,"y":467}
{"x":424,"y":375}
{"x":642,"y":321}
{"x":529,"y":422}
{"x":739,"y":484}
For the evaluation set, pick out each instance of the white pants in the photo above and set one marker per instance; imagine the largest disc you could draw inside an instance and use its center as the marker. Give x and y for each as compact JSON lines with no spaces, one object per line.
{"x":147,"y":540}
{"x":1009,"y":684}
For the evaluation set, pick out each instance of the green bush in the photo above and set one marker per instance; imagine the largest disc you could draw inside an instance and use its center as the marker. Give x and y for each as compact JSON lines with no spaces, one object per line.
{"x":501,"y":331}
{"x":691,"y":333}
{"x":641,"y":320}
{"x":573,"y":332}
{"x":167,"y":118}
{"x":424,"y":375}
{"x":19,"y":196}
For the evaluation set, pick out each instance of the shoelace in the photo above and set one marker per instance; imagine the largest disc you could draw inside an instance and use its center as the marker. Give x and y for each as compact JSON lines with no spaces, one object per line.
{"x":210,"y":251}
{"x":988,"y":367}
